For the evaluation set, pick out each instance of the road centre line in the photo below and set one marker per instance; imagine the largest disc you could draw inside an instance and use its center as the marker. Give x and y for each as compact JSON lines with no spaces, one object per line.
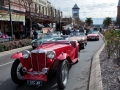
{"x":6,"y":64}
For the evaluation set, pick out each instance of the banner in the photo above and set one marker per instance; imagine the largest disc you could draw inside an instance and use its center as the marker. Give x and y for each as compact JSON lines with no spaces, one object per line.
{"x":45,"y":30}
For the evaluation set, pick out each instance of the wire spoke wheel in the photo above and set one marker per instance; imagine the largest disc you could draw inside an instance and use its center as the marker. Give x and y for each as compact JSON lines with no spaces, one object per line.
{"x":19,"y":72}
{"x":62,"y":74}
{"x":16,"y":72}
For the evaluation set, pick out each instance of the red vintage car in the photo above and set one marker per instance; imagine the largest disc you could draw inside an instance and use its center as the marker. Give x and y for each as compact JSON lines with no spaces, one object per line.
{"x":94,"y":35}
{"x":38,"y":65}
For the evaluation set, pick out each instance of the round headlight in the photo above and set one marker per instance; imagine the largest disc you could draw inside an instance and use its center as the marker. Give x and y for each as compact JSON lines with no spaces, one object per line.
{"x":26,"y":54}
{"x":50,"y":54}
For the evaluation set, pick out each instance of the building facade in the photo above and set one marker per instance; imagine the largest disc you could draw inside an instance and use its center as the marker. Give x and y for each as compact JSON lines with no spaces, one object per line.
{"x":75,"y":11}
{"x":118,"y":13}
{"x":17,"y":15}
{"x":41,"y":11}
{"x":24,"y":13}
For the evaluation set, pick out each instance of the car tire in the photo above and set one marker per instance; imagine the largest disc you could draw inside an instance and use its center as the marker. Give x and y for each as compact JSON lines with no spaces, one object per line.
{"x":78,"y":59}
{"x":14,"y":76}
{"x":33,"y":47}
{"x":62,"y":74}
{"x":83,"y":46}
{"x":79,"y":48}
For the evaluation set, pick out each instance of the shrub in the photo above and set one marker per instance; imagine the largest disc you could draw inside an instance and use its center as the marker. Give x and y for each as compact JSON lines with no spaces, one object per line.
{"x":112,"y":38}
{"x":5,"y":46}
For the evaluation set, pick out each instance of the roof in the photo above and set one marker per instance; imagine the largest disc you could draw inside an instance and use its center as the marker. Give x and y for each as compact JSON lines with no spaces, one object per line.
{"x":75,"y":7}
{"x":119,"y":3}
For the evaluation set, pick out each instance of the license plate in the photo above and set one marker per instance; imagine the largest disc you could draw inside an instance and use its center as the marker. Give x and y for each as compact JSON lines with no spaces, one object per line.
{"x":92,"y":37}
{"x":34,"y":82}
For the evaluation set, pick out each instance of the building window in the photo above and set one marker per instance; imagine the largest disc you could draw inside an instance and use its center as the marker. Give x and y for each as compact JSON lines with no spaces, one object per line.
{"x":46,"y":11}
{"x":35,"y":8}
{"x":43,"y":10}
{"x":39,"y":9}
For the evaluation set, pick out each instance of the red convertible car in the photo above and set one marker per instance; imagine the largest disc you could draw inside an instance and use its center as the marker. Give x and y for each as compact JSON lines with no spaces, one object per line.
{"x":93,"y":36}
{"x":37,"y":66}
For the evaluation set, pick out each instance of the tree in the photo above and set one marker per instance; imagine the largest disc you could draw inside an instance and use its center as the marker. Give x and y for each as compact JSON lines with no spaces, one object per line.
{"x":28,"y":4}
{"x":107,"y":21}
{"x":89,"y":21}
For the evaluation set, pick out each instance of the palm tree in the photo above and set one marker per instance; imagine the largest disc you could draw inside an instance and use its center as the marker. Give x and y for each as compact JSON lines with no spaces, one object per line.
{"x":107,"y":21}
{"x":89,"y":21}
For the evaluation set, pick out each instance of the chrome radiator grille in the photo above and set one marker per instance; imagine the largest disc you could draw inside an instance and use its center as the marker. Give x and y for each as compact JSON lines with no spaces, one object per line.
{"x":38,"y":61}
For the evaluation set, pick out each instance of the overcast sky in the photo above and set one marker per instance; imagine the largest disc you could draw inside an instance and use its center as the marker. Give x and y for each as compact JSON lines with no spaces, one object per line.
{"x":88,"y":8}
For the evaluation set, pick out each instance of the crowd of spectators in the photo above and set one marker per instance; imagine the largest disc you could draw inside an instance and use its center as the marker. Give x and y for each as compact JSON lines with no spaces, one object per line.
{"x":68,"y":31}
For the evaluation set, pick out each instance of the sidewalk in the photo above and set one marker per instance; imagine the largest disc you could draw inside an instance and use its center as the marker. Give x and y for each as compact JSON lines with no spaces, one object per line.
{"x":14,"y":50}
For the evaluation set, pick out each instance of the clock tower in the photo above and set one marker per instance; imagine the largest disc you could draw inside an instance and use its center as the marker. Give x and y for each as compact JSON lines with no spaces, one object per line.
{"x":75,"y":11}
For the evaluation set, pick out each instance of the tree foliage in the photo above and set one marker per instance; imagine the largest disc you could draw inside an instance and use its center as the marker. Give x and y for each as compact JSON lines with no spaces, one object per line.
{"x":112,"y":38}
{"x":107,"y":21}
{"x":89,"y":21}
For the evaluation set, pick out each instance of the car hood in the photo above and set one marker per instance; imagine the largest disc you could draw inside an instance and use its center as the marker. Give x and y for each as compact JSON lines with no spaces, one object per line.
{"x":52,"y":46}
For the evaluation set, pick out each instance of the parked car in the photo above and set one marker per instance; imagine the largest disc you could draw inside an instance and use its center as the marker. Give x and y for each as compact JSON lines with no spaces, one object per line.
{"x":38,"y":65}
{"x":94,"y":35}
{"x":80,"y":37}
{"x":35,"y":43}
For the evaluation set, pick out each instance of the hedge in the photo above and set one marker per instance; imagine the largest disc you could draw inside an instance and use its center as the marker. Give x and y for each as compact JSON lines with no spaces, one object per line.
{"x":6,"y":46}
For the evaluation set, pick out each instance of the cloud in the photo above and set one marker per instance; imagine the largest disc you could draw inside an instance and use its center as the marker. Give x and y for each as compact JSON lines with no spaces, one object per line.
{"x":88,"y":8}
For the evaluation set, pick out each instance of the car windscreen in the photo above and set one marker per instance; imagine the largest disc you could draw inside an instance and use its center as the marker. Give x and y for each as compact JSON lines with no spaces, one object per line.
{"x":57,"y":39}
{"x":81,"y":34}
{"x":74,"y":34}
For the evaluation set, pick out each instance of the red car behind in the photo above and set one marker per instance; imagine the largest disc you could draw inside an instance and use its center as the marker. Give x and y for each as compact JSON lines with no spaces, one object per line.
{"x":93,"y":36}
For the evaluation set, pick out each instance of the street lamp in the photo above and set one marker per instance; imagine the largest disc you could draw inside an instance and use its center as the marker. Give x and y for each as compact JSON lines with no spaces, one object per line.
{"x":11,"y":28}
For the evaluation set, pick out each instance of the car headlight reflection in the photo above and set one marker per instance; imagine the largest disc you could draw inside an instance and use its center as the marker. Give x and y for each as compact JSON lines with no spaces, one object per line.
{"x":26,"y":54}
{"x":50,"y":54}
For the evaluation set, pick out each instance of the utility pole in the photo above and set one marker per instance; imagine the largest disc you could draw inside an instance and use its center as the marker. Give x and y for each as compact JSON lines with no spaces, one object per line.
{"x":59,"y":22}
{"x":11,"y":27}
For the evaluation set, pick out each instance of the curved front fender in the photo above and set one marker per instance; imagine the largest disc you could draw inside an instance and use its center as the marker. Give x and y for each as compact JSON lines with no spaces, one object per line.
{"x":62,"y":56}
{"x":17,"y":55}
